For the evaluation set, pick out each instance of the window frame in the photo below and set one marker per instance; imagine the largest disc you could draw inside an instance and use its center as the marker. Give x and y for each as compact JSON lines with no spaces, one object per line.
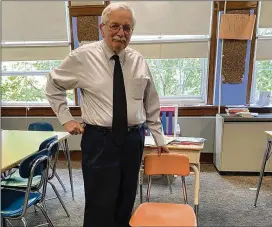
{"x":259,"y":36}
{"x":193,"y":100}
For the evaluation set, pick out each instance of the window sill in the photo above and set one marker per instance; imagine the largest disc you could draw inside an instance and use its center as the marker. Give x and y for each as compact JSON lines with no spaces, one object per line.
{"x":198,"y":110}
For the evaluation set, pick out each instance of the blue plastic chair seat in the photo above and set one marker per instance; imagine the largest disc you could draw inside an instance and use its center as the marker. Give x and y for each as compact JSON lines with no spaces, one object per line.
{"x":16,"y":181}
{"x":12,"y":202}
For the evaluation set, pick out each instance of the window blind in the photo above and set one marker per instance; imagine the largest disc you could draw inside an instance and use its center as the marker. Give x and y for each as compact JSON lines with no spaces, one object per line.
{"x":173,"y":50}
{"x":265,"y":20}
{"x":172,"y":17}
{"x":25,"y":22}
{"x":86,"y":3}
{"x":264,"y":49}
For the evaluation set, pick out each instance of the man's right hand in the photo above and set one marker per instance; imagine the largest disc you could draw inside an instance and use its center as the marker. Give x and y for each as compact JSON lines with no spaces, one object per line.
{"x":74,"y":127}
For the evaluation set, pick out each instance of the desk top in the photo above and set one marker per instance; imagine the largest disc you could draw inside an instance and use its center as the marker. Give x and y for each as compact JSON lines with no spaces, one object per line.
{"x":194,"y":147}
{"x":17,"y":145}
{"x":269,"y":133}
{"x":181,"y":147}
{"x":259,"y":118}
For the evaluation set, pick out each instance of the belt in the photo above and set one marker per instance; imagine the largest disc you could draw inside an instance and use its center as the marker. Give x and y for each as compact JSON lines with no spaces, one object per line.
{"x":109,"y":129}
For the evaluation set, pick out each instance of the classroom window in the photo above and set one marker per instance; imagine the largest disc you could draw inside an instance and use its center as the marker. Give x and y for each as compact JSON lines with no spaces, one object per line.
{"x":23,"y":82}
{"x":179,"y":80}
{"x":262,"y":80}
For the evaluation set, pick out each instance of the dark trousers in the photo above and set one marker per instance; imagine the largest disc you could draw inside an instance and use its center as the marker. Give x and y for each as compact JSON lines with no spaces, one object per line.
{"x":110,"y":176}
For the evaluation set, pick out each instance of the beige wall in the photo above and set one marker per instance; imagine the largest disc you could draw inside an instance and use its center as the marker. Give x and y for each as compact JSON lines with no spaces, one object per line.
{"x":190,"y":126}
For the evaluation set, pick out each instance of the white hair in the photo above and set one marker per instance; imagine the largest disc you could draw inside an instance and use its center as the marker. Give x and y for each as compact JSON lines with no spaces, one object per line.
{"x":117,"y":6}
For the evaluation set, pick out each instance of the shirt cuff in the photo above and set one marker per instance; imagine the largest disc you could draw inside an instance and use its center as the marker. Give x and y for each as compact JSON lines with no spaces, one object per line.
{"x":65,"y":117}
{"x":159,"y":140}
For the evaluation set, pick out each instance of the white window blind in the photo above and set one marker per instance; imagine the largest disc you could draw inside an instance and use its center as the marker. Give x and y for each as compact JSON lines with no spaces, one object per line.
{"x":180,"y":22}
{"x":264,"y":49}
{"x":172,"y":17}
{"x":265,"y":20}
{"x":86,"y":3}
{"x":34,"y":30}
{"x":173,"y":50}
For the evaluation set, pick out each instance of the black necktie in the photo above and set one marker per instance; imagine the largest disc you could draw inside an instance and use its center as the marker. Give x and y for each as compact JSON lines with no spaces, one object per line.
{"x":119,"y":121}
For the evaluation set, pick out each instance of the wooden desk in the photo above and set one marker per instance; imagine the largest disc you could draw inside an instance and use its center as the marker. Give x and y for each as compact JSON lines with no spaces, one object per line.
{"x":193,"y":152}
{"x":266,"y":156}
{"x":17,"y":145}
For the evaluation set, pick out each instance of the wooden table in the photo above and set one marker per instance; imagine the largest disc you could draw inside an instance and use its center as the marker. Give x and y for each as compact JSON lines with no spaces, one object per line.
{"x":193,"y":152}
{"x":17,"y":145}
{"x":266,"y":156}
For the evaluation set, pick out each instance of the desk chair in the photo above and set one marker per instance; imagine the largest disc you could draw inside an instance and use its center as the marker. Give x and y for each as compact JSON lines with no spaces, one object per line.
{"x":169,"y":119}
{"x":17,"y":182}
{"x":14,"y":202}
{"x":45,"y":126}
{"x":165,"y":214}
{"x":169,"y":127}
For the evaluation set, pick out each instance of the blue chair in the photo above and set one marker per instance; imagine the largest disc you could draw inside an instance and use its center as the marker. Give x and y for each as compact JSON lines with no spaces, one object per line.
{"x":45,"y":126}
{"x":14,"y":203}
{"x":16,"y":181}
{"x":40,"y":126}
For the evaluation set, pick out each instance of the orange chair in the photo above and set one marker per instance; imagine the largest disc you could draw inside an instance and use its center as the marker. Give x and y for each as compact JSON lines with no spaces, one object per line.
{"x":165,"y":214}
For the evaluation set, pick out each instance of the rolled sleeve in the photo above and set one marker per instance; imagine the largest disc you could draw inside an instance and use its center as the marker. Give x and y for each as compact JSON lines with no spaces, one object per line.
{"x":152,"y":108}
{"x":64,"y":77}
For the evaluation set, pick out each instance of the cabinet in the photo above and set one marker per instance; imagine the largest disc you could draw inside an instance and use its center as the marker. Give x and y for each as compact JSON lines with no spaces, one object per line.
{"x":241,"y":142}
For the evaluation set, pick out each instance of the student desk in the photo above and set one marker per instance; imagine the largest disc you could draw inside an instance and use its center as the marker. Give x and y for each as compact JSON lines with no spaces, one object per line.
{"x":17,"y":145}
{"x":193,"y":152}
{"x":266,"y":156}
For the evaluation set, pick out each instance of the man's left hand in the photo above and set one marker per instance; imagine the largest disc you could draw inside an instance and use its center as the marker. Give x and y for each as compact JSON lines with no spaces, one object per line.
{"x":163,"y":149}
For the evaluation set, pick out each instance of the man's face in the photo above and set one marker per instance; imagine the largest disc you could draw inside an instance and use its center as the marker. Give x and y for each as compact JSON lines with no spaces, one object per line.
{"x":118,"y":30}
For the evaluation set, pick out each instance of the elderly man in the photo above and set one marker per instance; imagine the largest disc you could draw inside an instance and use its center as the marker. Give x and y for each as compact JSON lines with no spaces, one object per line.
{"x":117,"y":97}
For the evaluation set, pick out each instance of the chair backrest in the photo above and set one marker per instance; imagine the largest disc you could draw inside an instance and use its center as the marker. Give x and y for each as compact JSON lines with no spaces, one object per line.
{"x":166,"y":163}
{"x":46,"y":143}
{"x":40,"y":126}
{"x":27,"y":164}
{"x":169,"y":127}
{"x":36,"y":164}
{"x":53,"y":148}
{"x":53,"y":153}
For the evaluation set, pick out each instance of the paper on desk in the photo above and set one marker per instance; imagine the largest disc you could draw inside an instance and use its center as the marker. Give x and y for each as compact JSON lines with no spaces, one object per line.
{"x":189,"y":140}
{"x":149,"y":140}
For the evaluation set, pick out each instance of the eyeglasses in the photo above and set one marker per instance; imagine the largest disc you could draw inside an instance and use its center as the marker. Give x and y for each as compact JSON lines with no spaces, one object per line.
{"x":116,"y":28}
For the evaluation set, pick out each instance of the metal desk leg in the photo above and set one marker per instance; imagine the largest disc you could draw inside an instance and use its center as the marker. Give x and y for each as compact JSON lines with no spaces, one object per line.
{"x":68,"y":157}
{"x":196,"y":192}
{"x":265,"y":158}
{"x":141,"y":173}
{"x":3,"y":222}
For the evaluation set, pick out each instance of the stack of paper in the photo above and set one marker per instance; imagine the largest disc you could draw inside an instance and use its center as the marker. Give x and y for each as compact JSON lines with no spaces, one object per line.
{"x":149,"y":141}
{"x":188,"y":140}
{"x":247,"y":114}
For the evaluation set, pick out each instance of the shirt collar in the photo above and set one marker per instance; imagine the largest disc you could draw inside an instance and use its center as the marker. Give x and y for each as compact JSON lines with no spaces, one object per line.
{"x":109,"y":53}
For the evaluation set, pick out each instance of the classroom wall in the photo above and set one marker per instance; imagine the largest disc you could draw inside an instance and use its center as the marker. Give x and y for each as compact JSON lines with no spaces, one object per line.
{"x":190,"y":126}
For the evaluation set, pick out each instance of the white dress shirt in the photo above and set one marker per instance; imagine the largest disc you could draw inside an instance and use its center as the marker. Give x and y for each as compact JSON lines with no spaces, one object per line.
{"x":90,"y":68}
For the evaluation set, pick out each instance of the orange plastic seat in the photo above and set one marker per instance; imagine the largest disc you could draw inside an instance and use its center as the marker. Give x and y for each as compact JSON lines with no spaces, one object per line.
{"x":164,"y":214}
